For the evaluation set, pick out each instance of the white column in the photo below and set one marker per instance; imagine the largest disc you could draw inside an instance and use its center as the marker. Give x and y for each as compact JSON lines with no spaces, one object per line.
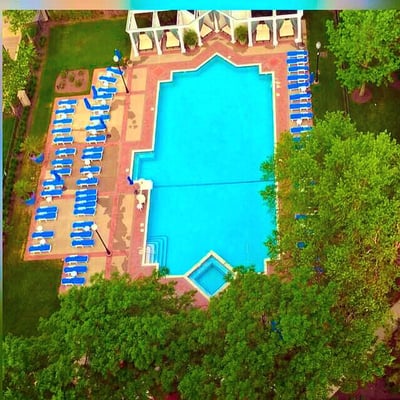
{"x":250,"y":33}
{"x":274,"y":32}
{"x":159,"y":52}
{"x":216,"y":24}
{"x":183,"y":50}
{"x":298,"y":39}
{"x":233,"y":40}
{"x":200,"y":42}
{"x":134,"y":47}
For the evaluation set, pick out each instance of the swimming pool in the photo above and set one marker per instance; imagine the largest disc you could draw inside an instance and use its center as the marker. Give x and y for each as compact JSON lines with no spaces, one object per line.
{"x":215,"y":126}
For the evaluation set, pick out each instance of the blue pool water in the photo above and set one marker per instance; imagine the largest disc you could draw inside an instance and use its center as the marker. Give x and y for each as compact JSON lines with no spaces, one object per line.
{"x":214,"y":129}
{"x":209,"y":276}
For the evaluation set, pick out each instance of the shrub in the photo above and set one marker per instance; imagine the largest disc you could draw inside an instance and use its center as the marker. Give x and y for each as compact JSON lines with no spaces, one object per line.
{"x":80,"y":72}
{"x":42,"y":41}
{"x":63,"y":74}
{"x":241,"y":34}
{"x":78,"y":83}
{"x":190,"y":38}
{"x":71,"y":77}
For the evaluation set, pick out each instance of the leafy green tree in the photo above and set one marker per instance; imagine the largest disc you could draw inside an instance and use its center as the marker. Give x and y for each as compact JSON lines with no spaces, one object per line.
{"x":16,"y":72}
{"x":19,"y":19}
{"x":366,"y":45}
{"x":114,"y":339}
{"x":267,"y":338}
{"x":23,"y":188}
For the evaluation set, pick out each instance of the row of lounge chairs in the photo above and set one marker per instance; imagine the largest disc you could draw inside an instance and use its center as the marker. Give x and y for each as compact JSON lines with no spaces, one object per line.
{"x":299,"y":99}
{"x":74,"y":266}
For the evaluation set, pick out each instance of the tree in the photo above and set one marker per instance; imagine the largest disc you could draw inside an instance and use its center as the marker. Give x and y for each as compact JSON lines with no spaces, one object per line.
{"x":23,"y":188}
{"x":347,"y":184}
{"x":267,"y":338}
{"x":115,"y":339}
{"x":31,"y":145}
{"x":16,"y":72}
{"x":19,"y":19}
{"x":366,"y":47}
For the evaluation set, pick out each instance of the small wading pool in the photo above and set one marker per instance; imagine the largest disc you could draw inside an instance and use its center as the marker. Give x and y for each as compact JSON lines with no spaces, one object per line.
{"x":209,"y":276}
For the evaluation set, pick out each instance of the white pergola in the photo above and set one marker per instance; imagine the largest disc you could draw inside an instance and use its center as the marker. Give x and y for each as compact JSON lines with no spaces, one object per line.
{"x":203,"y":22}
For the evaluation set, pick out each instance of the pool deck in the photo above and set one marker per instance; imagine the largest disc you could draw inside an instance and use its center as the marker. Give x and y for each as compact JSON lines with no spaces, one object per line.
{"x":132,"y":123}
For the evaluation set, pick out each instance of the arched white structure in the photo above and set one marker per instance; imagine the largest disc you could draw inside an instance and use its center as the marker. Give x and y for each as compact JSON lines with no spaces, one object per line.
{"x":203,"y":22}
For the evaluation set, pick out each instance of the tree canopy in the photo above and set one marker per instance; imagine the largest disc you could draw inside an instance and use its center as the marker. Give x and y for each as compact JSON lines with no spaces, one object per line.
{"x":19,"y":19}
{"x":16,"y":72}
{"x":366,"y":46}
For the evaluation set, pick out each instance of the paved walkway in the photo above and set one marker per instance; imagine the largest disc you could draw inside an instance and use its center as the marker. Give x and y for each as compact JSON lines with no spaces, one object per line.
{"x":132,"y":127}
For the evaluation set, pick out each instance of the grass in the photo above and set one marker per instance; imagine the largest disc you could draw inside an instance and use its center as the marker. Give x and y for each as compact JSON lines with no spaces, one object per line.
{"x":328,"y":94}
{"x":379,"y":114}
{"x":83,"y":45}
{"x":8,"y":131}
{"x":30,"y":288}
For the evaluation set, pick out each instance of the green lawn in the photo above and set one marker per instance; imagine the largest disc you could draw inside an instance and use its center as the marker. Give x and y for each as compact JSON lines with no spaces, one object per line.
{"x":83,"y":45}
{"x":328,"y":94}
{"x":8,"y":130}
{"x":381,"y":113}
{"x":30,"y":288}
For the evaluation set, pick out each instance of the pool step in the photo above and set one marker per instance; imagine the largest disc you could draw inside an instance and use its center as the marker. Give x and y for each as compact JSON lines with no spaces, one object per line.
{"x":146,"y":155}
{"x":156,"y":250}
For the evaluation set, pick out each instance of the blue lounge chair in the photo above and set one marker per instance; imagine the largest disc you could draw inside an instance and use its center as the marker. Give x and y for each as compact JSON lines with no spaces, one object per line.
{"x":93,"y":149}
{"x":54,"y":182}
{"x":52,"y":216}
{"x":92,"y":169}
{"x":83,"y":243}
{"x":46,"y":209}
{"x":105,"y":117}
{"x":77,"y":280}
{"x":300,"y":129}
{"x":101,"y":107}
{"x":51,"y":193}
{"x":297,"y":61}
{"x":79,"y":269}
{"x":62,"y":171}
{"x":69,"y":102}
{"x":301,"y":116}
{"x":102,"y":95}
{"x":92,"y":157}
{"x":115,"y":71}
{"x":96,"y":128}
{"x":65,"y":111}
{"x":40,"y":248}
{"x":43,"y":235}
{"x":85,"y":192}
{"x":62,"y":162}
{"x":85,"y":197}
{"x":298,"y":68}
{"x":301,"y":245}
{"x":107,"y":90}
{"x":297,"y":53}
{"x":62,"y":121}
{"x":300,"y":96}
{"x":300,"y":216}
{"x":81,"y":235}
{"x":76,"y":258}
{"x":298,"y":85}
{"x":66,"y":151}
{"x":84,"y":201}
{"x":298,"y":77}
{"x":300,"y":106}
{"x":87,"y":211}
{"x":96,"y":139}
{"x":88,"y":181}
{"x":82,"y":224}
{"x":63,"y":139}
{"x":108,"y":79}
{"x":85,"y":204}
{"x":59,"y":131}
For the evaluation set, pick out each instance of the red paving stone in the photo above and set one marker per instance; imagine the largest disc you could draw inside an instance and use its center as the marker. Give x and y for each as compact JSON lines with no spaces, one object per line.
{"x":160,"y":71}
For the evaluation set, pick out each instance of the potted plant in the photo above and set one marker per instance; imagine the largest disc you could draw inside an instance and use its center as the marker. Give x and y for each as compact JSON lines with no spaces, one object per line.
{"x":190,"y":38}
{"x":241,"y":34}
{"x":24,"y":189}
{"x":31,"y":146}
